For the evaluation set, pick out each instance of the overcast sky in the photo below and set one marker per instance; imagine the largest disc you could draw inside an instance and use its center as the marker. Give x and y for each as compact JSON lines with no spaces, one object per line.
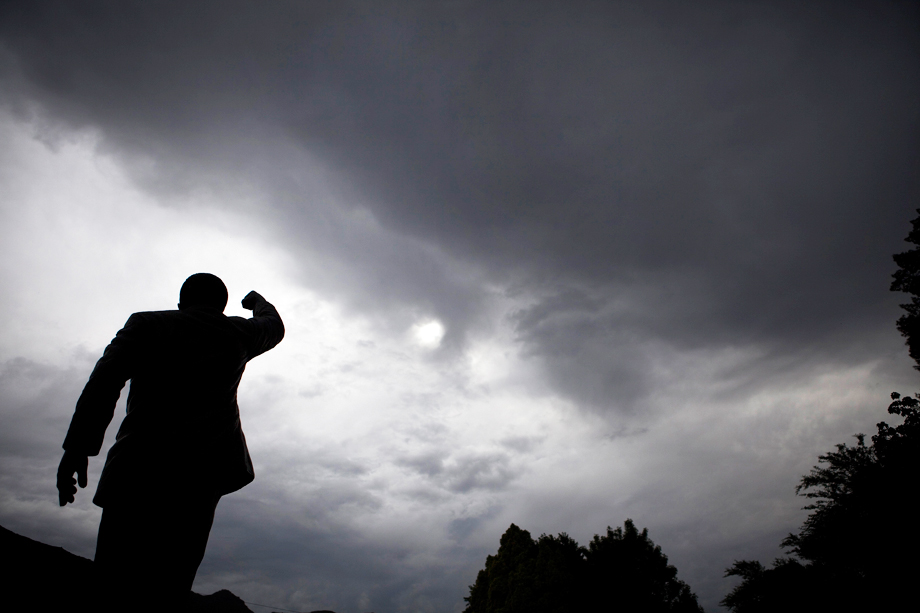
{"x":557,"y":264}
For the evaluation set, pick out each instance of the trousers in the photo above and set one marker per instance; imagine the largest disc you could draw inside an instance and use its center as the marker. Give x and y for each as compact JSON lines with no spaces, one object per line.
{"x":147,"y":554}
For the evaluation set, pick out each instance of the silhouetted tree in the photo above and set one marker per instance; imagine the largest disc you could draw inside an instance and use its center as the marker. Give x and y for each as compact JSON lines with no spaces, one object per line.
{"x":628,"y":572}
{"x":788,"y":586}
{"x":526,"y":575}
{"x":857,"y":541}
{"x":559,"y":573}
{"x":856,"y":547}
{"x":622,"y":570}
{"x":907,"y":279}
{"x":504,"y":584}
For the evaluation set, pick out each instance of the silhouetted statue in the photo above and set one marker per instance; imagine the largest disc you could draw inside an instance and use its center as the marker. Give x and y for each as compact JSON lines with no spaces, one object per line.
{"x":180,"y":446}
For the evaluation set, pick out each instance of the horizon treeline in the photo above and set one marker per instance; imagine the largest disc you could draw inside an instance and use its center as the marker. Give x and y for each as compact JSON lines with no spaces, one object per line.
{"x":621,"y":570}
{"x":854,"y":552}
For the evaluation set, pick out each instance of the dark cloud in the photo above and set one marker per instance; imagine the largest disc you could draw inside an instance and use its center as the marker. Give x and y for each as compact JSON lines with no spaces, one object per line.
{"x":736,"y":174}
{"x":428,"y":464}
{"x":754,"y":144}
{"x":479,"y":471}
{"x":317,"y":565}
{"x":38,"y":400}
{"x":463,"y":472}
{"x":521,"y":444}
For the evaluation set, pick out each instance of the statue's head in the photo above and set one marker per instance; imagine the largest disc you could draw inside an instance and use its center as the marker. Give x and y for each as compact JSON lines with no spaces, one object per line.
{"x":203,"y":290}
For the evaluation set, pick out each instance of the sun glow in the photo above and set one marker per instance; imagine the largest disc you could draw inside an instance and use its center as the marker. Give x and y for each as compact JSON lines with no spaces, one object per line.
{"x":428,"y":334}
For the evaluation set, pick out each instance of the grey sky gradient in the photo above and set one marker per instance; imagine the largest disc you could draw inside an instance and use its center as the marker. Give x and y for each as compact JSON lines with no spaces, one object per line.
{"x":665,"y":226}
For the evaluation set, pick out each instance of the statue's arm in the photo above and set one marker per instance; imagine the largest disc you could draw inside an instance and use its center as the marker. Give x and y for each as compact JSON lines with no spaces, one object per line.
{"x":267,"y":327}
{"x":95,"y":409}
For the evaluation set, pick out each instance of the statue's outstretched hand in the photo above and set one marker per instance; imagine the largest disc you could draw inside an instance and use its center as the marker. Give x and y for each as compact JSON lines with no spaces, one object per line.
{"x":67,"y":486}
{"x":251,"y":299}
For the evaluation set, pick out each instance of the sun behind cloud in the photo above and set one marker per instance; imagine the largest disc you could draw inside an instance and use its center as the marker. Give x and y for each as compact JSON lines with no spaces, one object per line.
{"x":428,"y":334}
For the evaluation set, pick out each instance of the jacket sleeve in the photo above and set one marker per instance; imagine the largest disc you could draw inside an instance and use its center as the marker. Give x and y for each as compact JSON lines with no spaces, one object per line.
{"x":266,"y":328}
{"x":96,"y":404}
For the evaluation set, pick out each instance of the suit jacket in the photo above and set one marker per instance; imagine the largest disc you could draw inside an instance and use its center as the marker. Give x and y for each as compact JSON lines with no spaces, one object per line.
{"x":182,"y":427}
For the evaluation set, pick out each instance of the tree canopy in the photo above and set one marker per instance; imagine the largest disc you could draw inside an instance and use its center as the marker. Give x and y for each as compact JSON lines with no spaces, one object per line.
{"x":634,"y":574}
{"x":622,"y":570}
{"x":907,"y":279}
{"x":854,"y":549}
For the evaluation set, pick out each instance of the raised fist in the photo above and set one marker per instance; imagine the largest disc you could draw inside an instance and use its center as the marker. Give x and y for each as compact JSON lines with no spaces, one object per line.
{"x":251,"y":300}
